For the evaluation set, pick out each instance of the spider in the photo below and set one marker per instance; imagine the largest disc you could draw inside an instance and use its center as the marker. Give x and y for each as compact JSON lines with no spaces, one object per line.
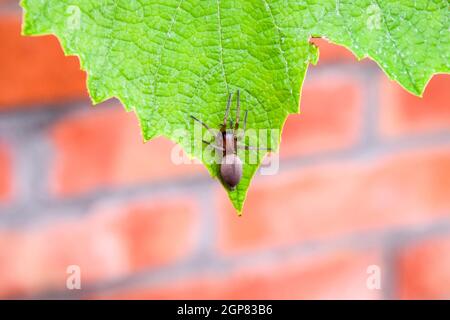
{"x":226,"y":140}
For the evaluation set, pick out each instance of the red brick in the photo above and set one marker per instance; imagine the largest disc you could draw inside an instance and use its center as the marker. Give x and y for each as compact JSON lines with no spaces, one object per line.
{"x":112,"y":240}
{"x":330,"y":119}
{"x":403,"y":113}
{"x":34,"y":69}
{"x":5,"y":173}
{"x":332,"y":53}
{"x":424,"y":270}
{"x":325,"y":201}
{"x":338,"y":275}
{"x":104,"y":147}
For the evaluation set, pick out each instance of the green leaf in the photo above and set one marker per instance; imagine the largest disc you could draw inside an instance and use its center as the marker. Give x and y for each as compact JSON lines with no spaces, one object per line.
{"x":169,"y":59}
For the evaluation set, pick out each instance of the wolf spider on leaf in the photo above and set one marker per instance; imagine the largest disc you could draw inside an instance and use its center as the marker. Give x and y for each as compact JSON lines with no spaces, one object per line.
{"x":226,"y":140}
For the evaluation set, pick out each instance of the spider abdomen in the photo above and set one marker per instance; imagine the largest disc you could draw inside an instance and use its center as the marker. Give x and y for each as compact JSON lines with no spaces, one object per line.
{"x":231,"y":170}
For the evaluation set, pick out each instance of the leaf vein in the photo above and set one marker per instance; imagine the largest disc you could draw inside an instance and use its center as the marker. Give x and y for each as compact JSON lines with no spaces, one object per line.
{"x":221,"y":46}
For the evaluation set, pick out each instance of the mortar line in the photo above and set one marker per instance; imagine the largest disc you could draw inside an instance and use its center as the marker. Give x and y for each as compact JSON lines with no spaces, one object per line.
{"x":389,"y":273}
{"x":209,"y":223}
{"x":371,"y":108}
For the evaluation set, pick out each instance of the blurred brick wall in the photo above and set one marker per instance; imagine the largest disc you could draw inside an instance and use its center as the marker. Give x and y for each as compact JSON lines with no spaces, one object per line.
{"x":364,"y":180}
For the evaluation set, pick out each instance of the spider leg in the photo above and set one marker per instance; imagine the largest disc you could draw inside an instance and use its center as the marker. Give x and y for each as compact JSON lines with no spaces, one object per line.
{"x":225,"y":118}
{"x":245,"y":119}
{"x":241,"y":134}
{"x":213,"y":145}
{"x":238,"y":111}
{"x":245,"y":147}
{"x":211,"y":131}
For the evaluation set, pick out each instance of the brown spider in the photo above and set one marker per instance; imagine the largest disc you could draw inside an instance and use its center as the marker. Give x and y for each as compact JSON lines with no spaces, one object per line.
{"x":227,"y":142}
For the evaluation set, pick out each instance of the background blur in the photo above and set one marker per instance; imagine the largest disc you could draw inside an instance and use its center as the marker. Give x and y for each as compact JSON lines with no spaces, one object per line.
{"x":364,"y":185}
